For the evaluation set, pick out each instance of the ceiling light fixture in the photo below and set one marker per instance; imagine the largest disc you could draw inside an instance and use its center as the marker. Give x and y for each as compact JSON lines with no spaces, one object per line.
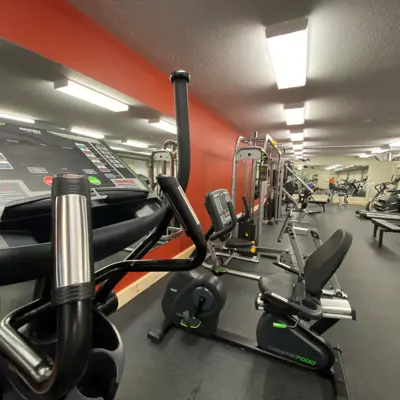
{"x":294,"y":113}
{"x":379,"y":150}
{"x":17,"y":118}
{"x":83,"y":132}
{"x":364,"y":155}
{"x":164,"y":125}
{"x":332,"y":167}
{"x":129,"y":151}
{"x":297,"y":146}
{"x":395,"y":144}
{"x":136,"y":143}
{"x":299,"y":157}
{"x":91,"y":96}
{"x":287,"y":44}
{"x":297,"y":136}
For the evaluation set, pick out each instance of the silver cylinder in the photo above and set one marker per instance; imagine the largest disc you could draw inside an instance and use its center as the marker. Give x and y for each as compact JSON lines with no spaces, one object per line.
{"x":71,"y":241}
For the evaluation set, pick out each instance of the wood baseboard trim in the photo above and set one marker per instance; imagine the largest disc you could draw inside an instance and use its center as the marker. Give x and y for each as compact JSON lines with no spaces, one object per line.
{"x":130,"y":292}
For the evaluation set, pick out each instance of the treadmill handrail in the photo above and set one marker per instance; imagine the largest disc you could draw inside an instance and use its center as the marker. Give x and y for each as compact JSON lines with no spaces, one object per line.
{"x":23,"y":263}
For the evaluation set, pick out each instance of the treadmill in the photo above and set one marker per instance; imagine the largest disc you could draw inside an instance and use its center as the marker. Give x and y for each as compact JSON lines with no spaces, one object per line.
{"x":29,"y":159}
{"x":61,"y":345}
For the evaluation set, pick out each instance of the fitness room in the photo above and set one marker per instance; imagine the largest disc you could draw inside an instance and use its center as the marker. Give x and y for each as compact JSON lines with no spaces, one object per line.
{"x":199,"y":200}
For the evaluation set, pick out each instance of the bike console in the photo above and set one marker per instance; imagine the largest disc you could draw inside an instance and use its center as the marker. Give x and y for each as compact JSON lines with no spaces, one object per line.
{"x":221,"y":211}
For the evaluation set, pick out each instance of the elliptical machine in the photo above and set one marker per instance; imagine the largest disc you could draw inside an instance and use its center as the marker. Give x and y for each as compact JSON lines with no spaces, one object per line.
{"x":291,"y":324}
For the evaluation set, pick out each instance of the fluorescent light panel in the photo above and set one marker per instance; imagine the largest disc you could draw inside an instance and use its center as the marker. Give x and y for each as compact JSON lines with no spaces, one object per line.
{"x":288,"y":53}
{"x":379,"y":150}
{"x":297,"y":146}
{"x":298,"y":157}
{"x":332,"y":167}
{"x":17,"y":118}
{"x":395,"y":144}
{"x":129,"y":151}
{"x":365,"y":155}
{"x":84,"y":132}
{"x":164,"y":125}
{"x":91,"y":96}
{"x":296,"y":136}
{"x":294,"y":115}
{"x":137,"y":143}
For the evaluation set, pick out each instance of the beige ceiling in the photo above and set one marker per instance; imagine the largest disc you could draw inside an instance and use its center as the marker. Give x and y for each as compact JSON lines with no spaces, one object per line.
{"x":352,"y":92}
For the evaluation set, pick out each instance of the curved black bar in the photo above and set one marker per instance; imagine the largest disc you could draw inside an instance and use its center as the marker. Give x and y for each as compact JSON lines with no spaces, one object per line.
{"x":144,"y":247}
{"x":107,"y":240}
{"x":180,"y":79}
{"x":229,"y":228}
{"x":157,"y":265}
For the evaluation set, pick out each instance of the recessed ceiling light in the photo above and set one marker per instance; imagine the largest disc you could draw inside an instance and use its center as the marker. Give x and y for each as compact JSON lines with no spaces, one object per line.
{"x":287,"y":44}
{"x":84,"y":132}
{"x":294,"y":114}
{"x":91,"y":96}
{"x":137,"y":143}
{"x":379,"y":150}
{"x":299,"y":157}
{"x":164,"y":125}
{"x":17,"y":118}
{"x":297,"y":146}
{"x":296,"y":136}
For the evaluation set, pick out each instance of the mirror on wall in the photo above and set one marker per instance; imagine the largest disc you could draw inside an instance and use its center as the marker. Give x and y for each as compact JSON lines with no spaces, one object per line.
{"x":336,"y":180}
{"x":54,"y":119}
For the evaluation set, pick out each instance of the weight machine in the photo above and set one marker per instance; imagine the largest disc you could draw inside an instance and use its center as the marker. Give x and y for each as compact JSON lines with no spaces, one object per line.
{"x":260,"y":158}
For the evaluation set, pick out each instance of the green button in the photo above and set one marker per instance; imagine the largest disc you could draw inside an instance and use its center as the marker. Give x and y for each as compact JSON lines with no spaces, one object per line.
{"x":94,"y":180}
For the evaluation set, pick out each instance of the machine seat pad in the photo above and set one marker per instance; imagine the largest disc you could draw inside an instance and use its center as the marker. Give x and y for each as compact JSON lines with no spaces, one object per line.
{"x":325,"y":260}
{"x":237,"y":243}
{"x":387,"y":225}
{"x":279,"y":282}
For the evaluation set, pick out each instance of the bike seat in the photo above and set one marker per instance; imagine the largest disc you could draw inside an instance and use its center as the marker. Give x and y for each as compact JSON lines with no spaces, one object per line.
{"x":279,"y":282}
{"x":238,"y":243}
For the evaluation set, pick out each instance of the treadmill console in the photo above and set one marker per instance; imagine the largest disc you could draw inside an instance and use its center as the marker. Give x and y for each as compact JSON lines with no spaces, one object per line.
{"x":30,"y":157}
{"x":217,"y":208}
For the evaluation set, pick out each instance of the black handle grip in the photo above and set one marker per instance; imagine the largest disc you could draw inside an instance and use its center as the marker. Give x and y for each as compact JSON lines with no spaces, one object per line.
{"x":180,"y":80}
{"x":228,"y":228}
{"x":64,"y":184}
{"x":246,"y":206}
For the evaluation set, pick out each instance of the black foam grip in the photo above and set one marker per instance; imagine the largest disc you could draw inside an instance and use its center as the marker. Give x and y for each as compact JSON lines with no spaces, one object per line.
{"x":72,"y":294}
{"x":64,"y":184}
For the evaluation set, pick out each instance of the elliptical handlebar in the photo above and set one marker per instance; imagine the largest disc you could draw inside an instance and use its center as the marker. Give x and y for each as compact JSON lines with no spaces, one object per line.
{"x":178,"y":201}
{"x":180,"y":80}
{"x":72,"y":295}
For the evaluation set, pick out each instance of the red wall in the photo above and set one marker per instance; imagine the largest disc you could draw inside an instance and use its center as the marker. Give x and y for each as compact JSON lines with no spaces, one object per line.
{"x":58,"y":31}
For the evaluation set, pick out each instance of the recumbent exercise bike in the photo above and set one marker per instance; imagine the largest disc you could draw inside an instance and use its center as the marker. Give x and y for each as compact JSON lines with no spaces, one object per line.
{"x":290,"y":326}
